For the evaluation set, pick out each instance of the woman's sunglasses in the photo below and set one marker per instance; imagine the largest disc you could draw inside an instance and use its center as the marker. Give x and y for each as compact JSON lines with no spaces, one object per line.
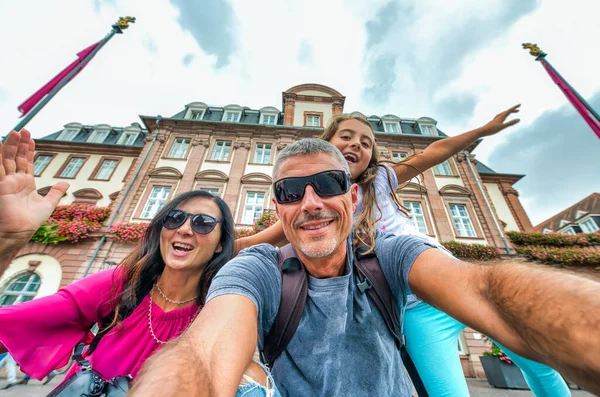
{"x":326,"y":184}
{"x":201,"y":223}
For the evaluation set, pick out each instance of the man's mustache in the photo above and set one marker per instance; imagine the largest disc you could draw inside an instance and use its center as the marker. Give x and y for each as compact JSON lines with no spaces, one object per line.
{"x":309,"y":217}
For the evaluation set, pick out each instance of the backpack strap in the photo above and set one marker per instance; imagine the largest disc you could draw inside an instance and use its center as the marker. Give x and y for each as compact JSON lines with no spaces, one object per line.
{"x":373,"y":282}
{"x":294,"y":290}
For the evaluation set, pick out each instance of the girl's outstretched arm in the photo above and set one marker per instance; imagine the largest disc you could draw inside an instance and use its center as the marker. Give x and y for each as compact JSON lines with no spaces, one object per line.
{"x":442,"y":150}
{"x":271,"y":235}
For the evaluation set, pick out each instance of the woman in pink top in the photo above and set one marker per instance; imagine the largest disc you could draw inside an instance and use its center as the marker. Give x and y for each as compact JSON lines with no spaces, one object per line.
{"x":151,"y":298}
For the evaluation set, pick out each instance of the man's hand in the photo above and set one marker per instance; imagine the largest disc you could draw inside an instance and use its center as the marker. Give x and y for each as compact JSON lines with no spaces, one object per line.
{"x":22,"y":209}
{"x":499,"y":123}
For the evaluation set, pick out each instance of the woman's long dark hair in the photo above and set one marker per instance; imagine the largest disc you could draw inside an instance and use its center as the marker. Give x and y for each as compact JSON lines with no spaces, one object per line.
{"x":144,"y":265}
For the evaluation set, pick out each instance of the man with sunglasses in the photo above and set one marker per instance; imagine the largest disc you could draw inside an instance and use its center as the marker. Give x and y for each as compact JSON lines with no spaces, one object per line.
{"x":342,"y":346}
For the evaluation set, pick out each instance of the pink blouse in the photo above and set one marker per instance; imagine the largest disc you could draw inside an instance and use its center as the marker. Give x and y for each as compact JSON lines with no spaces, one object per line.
{"x":41,"y":334}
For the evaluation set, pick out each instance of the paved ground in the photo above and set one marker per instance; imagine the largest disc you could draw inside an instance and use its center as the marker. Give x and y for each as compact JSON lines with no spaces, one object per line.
{"x":478,"y":388}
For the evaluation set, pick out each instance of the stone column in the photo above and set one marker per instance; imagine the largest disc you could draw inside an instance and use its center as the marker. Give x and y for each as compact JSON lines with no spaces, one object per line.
{"x":516,"y":208}
{"x":238,"y":165}
{"x":440,"y":217}
{"x":199,"y":146}
{"x":289,"y":101}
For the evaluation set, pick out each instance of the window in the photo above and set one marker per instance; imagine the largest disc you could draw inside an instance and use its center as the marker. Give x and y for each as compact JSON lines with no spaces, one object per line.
{"x":397,"y":156}
{"x":106,"y":170}
{"x":157,"y":199}
{"x":67,"y":135}
{"x":313,"y":120}
{"x":418,"y":217}
{"x":427,"y":130}
{"x":98,"y":136}
{"x":269,"y":119}
{"x":40,"y":164}
{"x":262,"y":153}
{"x":211,"y":190}
{"x":232,"y":117}
{"x":443,"y":169}
{"x":72,"y":168}
{"x":589,"y":226}
{"x":546,"y":231}
{"x":461,"y":219}
{"x":391,"y":128}
{"x":22,"y":288}
{"x":221,"y":151}
{"x":127,"y":139}
{"x":253,"y":207}
{"x":197,"y":114}
{"x":179,"y":148}
{"x":569,"y":231}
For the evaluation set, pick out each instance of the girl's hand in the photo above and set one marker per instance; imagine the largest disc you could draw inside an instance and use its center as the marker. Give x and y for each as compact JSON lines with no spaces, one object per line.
{"x":498,"y":123}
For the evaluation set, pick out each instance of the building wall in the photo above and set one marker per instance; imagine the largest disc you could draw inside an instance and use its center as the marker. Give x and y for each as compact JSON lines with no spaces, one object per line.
{"x":501,"y":206}
{"x":312,"y":107}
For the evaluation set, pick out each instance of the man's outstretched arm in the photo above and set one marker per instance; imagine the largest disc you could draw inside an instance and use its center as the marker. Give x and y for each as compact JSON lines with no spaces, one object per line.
{"x":210,"y":358}
{"x":546,"y":315}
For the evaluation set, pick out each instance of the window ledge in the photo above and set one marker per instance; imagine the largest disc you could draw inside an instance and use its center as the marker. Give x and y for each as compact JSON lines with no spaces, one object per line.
{"x":447,"y":176}
{"x":174,"y":158}
{"x":269,"y":164}
{"x":470,"y":238}
{"x":218,"y":161}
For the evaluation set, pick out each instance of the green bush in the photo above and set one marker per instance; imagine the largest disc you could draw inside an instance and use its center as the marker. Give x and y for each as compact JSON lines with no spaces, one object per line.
{"x":48,"y":234}
{"x":554,"y":239}
{"x":561,"y":256}
{"x":472,"y":251}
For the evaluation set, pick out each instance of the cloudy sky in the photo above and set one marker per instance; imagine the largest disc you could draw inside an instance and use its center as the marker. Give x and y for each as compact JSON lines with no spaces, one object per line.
{"x":459,"y":62}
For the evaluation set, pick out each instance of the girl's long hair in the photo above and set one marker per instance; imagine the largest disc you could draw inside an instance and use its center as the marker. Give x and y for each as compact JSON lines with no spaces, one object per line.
{"x":144,"y":265}
{"x":364,"y":226}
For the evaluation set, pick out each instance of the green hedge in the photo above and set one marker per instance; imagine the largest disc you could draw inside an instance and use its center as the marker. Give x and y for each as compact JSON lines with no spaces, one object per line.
{"x":561,"y":256}
{"x":472,"y":251}
{"x":554,"y":239}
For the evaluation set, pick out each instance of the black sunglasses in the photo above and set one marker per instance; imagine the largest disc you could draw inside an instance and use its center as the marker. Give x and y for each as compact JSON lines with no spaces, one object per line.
{"x":326,"y":184}
{"x":201,"y":223}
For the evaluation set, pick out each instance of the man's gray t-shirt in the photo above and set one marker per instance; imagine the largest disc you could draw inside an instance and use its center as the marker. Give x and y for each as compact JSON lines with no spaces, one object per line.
{"x":342,"y":346}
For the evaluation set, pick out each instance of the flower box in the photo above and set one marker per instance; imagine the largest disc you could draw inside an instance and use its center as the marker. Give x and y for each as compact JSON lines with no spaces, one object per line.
{"x":501,"y":374}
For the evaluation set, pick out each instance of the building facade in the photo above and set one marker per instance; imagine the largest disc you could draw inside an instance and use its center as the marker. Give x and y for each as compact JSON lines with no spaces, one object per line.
{"x":229,"y":151}
{"x":582,"y":217}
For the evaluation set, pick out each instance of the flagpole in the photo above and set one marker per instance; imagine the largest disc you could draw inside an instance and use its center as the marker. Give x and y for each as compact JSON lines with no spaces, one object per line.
{"x":540,"y":55}
{"x":117,"y":28}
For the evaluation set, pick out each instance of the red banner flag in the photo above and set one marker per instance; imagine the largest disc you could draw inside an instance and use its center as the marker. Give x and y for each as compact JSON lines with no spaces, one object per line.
{"x":30,"y":102}
{"x":581,"y":107}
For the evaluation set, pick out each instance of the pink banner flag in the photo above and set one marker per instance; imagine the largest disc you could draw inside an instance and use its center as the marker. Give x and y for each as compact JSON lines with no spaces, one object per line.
{"x":30,"y":102}
{"x":583,"y":110}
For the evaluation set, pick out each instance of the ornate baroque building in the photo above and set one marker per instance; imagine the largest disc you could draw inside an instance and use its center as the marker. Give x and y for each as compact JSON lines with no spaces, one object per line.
{"x":229,"y":151}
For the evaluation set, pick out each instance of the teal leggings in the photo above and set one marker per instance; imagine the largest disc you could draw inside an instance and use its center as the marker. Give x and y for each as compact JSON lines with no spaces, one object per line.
{"x":432,"y":342}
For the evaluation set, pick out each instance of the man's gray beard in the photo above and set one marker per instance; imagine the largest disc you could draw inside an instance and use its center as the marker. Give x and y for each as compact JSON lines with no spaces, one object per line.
{"x":318,"y":252}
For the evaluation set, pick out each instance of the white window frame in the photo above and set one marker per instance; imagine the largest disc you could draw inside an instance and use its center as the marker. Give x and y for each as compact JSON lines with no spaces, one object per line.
{"x":125,"y":136}
{"x":232,"y":112}
{"x":443,"y":169}
{"x":463,"y":223}
{"x":103,"y":169}
{"x":546,"y":231}
{"x":432,"y":131}
{"x":564,"y":222}
{"x":98,"y":136}
{"x":417,"y":214}
{"x":463,"y":347}
{"x":310,"y":120}
{"x":398,"y":156}
{"x":392,"y":127}
{"x":220,"y":149}
{"x":32,"y":279}
{"x":263,"y":116}
{"x":197,"y":114}
{"x":569,"y":231}
{"x":253,"y":207}
{"x":36,"y":165}
{"x":178,"y":144}
{"x":155,"y":204}
{"x":589,"y":226}
{"x":68,"y":134}
{"x":261,"y":154}
{"x":212,"y":190}
{"x":64,"y":174}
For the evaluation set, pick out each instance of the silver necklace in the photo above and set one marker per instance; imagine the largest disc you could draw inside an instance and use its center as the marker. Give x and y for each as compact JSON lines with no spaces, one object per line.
{"x":160,"y":342}
{"x":171,"y":300}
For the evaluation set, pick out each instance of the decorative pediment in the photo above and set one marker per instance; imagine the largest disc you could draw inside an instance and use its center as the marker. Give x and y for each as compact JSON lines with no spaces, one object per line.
{"x":44,"y":190}
{"x":212,"y":175}
{"x":166,"y":172}
{"x":89,"y":194}
{"x":257,"y":178}
{"x":455,"y":190}
{"x":113,"y":196}
{"x":412,"y":187}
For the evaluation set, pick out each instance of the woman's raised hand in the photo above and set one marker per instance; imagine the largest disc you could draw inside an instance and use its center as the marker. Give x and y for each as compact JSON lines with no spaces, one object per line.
{"x":22,"y":209}
{"x":499,"y":122}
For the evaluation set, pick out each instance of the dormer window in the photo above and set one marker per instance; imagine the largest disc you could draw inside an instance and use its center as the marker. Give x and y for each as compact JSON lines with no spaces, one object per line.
{"x":589,"y":226}
{"x":197,"y":114}
{"x":391,"y":127}
{"x":268,"y":119}
{"x":232,"y":117}
{"x":127,"y":138}
{"x":98,"y":136}
{"x":68,"y":134}
{"x":546,"y":231}
{"x":428,"y":130}
{"x":196,"y":110}
{"x":564,"y":222}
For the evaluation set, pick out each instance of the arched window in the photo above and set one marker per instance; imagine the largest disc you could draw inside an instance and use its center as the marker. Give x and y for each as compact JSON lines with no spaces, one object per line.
{"x":21,"y":288}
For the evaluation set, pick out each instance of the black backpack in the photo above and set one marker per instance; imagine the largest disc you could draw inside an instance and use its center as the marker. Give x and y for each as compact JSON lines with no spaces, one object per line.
{"x":294,"y":290}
